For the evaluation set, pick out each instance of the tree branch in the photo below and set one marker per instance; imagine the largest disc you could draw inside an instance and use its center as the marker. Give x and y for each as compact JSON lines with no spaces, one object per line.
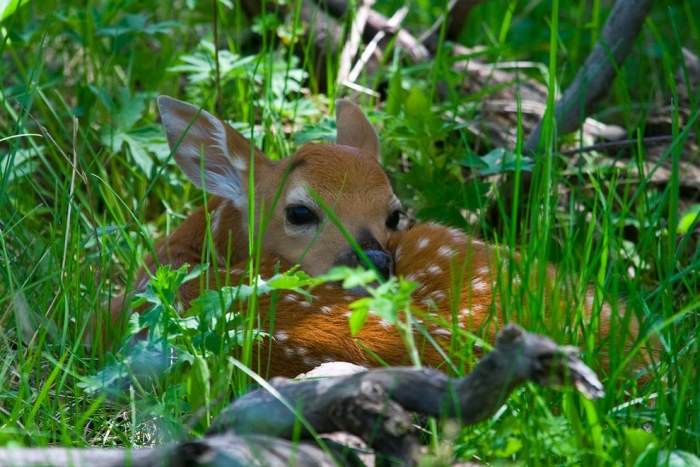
{"x":593,"y":79}
{"x":373,"y":405}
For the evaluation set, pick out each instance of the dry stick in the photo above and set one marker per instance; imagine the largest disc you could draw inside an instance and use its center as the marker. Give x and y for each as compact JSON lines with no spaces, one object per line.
{"x":352,"y":46}
{"x":373,"y":405}
{"x":611,"y":145}
{"x":392,"y":24}
{"x":594,"y":78}
{"x":376,"y":22}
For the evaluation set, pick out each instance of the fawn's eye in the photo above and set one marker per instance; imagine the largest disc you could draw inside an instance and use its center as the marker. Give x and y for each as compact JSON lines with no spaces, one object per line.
{"x":392,"y":222}
{"x":300,"y":215}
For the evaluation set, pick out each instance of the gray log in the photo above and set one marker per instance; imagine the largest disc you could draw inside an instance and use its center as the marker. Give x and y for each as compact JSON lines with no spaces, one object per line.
{"x":373,"y":405}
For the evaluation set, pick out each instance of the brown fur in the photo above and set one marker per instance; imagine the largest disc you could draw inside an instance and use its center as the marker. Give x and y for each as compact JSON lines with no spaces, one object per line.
{"x":459,"y":285}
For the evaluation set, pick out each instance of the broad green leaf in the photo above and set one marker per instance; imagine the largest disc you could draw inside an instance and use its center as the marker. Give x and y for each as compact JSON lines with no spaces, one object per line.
{"x":7,"y":7}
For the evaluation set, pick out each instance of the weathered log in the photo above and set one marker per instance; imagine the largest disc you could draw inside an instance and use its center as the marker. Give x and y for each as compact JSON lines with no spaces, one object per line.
{"x":374,"y":405}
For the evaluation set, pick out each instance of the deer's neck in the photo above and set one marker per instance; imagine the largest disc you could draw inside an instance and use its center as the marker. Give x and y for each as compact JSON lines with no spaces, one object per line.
{"x":191,"y":244}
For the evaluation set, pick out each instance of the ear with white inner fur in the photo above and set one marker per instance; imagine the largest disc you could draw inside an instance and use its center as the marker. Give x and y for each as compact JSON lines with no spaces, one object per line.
{"x":195,"y":134}
{"x":353,"y":127}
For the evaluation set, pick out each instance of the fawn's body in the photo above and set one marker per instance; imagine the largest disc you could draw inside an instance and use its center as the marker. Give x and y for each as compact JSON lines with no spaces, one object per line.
{"x":456,"y":274}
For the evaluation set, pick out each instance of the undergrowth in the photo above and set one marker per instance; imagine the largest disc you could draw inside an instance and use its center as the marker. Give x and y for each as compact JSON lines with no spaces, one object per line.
{"x":87,"y":187}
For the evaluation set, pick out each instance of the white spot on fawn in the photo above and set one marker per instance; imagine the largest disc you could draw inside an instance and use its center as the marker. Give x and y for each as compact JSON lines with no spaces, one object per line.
{"x":483,"y":271}
{"x":438,"y":295}
{"x":464,"y":312}
{"x":281,"y":336}
{"x":443,"y":332}
{"x":397,"y":253}
{"x":422,"y":243}
{"x":384,"y":323}
{"x":457,"y":235}
{"x":445,"y":251}
{"x":290,"y":297}
{"x":479,"y":285}
{"x":434,"y":269}
{"x":326,"y":309}
{"x":310,"y":361}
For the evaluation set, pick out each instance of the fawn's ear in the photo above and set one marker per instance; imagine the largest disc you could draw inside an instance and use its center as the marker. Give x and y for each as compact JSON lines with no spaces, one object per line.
{"x":212,"y":155}
{"x":353,"y":127}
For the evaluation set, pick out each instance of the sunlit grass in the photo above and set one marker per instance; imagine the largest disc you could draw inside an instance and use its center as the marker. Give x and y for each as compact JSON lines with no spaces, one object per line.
{"x":84,"y":198}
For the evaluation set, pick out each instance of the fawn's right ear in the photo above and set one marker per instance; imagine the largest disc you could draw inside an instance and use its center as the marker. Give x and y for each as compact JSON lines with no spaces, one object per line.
{"x":354,"y":129}
{"x":212,"y":155}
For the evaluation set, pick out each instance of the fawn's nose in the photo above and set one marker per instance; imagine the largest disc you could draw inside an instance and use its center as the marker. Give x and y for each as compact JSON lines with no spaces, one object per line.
{"x":381,"y":260}
{"x":373,"y":250}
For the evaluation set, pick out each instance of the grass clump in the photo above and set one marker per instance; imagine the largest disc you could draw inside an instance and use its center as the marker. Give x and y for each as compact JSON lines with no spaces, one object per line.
{"x":87,"y":185}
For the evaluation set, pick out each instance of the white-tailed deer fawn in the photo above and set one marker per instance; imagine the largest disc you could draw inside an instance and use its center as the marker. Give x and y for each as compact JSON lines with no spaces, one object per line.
{"x":457,"y":275}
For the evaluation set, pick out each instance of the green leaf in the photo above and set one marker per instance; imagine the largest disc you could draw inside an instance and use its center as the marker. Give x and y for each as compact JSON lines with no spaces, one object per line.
{"x":501,"y":160}
{"x":395,"y":93}
{"x":351,"y":277}
{"x":417,"y":103}
{"x":678,"y":458}
{"x":637,"y":441}
{"x":199,"y":386}
{"x":472,"y":160}
{"x":358,"y":318}
{"x":689,"y":219}
{"x":7,"y":7}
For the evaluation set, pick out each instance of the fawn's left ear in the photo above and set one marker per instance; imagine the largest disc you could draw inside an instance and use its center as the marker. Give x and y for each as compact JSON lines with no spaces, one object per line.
{"x":354,"y":129}
{"x":211,"y":154}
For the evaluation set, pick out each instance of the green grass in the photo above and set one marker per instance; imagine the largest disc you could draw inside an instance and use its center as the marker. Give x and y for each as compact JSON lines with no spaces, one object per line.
{"x":87,"y":186}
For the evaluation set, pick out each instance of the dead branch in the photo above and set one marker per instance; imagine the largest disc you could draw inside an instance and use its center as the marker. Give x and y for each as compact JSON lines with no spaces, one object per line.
{"x":373,"y":405}
{"x":593,"y":79}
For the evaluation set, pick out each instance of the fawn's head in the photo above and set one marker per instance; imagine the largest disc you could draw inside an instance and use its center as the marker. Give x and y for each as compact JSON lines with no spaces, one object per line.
{"x":346,"y":176}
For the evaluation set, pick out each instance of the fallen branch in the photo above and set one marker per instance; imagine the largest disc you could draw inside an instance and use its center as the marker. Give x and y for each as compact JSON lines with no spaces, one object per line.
{"x":373,"y":405}
{"x":593,"y":79}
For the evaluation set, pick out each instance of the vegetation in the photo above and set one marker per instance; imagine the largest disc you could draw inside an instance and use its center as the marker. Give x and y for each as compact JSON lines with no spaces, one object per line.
{"x":87,"y":185}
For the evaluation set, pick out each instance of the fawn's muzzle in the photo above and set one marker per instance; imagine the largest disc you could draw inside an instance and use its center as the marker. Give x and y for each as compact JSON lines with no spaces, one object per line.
{"x":377,"y":255}
{"x":381,"y":260}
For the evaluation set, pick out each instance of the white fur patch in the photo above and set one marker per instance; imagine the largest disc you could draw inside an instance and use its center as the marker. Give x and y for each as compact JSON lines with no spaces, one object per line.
{"x":281,"y":336}
{"x":445,"y":251}
{"x":479,"y":285}
{"x":443,"y":332}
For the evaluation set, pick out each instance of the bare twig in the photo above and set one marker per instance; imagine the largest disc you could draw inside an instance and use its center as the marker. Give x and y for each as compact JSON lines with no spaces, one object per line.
{"x":352,"y":46}
{"x":594,"y":77}
{"x":393,"y":23}
{"x":612,"y":145}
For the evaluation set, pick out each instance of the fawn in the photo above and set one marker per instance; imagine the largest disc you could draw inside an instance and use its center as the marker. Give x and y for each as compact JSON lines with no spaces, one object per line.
{"x":456,"y":273}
